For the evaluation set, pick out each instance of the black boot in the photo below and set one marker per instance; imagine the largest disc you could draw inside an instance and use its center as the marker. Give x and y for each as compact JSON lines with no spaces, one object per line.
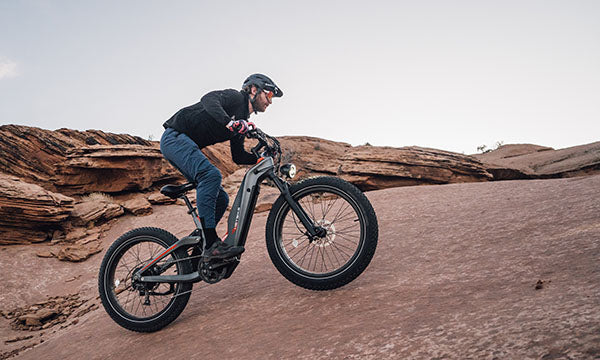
{"x":217,"y":249}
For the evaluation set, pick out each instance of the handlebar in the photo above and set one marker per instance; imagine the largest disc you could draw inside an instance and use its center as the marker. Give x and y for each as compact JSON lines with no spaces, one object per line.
{"x":271,"y":145}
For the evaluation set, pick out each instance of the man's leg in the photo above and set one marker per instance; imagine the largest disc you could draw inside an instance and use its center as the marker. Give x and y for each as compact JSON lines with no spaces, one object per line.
{"x":183,"y":152}
{"x":222,"y":202}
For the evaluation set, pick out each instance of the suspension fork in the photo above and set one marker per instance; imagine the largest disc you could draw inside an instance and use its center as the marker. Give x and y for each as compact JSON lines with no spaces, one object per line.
{"x":312,"y":230}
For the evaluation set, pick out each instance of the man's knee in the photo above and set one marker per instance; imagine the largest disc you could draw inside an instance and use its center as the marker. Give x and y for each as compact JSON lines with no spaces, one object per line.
{"x":223,"y":198}
{"x":226,"y":196}
{"x":216,"y":174}
{"x":211,"y":174}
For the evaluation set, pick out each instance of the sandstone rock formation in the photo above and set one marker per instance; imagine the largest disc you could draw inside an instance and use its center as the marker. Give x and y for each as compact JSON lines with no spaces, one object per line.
{"x":81,"y":162}
{"x":93,"y":209}
{"x":112,"y":168}
{"x":78,"y":251}
{"x":32,"y":153}
{"x":74,"y":251}
{"x":526,"y":161}
{"x":46,"y":314}
{"x":138,"y":206}
{"x":384,"y":167}
{"x":35,"y":154}
{"x":28,"y":213}
{"x":374,"y":167}
{"x":313,"y":156}
{"x":159,"y":199}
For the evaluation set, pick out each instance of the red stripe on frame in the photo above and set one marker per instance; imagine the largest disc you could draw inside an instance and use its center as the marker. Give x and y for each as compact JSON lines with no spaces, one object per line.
{"x":159,"y":256}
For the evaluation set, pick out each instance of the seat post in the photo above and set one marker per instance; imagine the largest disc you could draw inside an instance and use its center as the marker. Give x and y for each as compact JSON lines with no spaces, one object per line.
{"x":192,"y":211}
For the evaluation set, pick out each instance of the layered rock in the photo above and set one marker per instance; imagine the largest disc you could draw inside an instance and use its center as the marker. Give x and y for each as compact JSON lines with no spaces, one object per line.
{"x":527,"y":161}
{"x":78,"y":245}
{"x":159,"y":199}
{"x":385,"y":167}
{"x":79,"y":251}
{"x":374,"y":167}
{"x":95,"y":208}
{"x":138,"y":206}
{"x":32,"y":153}
{"x":48,"y":313}
{"x":35,"y":154}
{"x":28,"y":212}
{"x":112,"y":168}
{"x":313,"y":156}
{"x":81,"y":162}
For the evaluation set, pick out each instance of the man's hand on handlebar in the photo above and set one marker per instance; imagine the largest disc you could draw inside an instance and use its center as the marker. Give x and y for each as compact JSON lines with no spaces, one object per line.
{"x":241,"y":126}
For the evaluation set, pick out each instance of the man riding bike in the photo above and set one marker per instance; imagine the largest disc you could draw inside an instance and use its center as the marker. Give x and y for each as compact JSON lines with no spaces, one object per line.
{"x":219,"y":116}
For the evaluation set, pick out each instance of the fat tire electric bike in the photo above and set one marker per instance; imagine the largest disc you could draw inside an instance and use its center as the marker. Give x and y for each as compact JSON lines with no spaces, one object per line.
{"x":321,"y":234}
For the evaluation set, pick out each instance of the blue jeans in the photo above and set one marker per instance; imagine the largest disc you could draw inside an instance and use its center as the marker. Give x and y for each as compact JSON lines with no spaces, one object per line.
{"x":183,"y":153}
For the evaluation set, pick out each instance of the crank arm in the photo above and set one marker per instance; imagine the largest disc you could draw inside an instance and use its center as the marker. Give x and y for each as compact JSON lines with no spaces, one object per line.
{"x":213,"y":266}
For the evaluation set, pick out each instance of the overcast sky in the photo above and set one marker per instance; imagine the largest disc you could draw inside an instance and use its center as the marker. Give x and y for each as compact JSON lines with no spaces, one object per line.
{"x":450,"y":75}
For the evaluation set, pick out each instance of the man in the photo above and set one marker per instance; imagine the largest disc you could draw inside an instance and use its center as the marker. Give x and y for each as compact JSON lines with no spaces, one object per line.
{"x":219,"y":116}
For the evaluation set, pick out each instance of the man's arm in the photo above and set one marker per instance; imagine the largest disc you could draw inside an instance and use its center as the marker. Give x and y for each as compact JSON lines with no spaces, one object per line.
{"x":239,"y":155}
{"x":215,"y":102}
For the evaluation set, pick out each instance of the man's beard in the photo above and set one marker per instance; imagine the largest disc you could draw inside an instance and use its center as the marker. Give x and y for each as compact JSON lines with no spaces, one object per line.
{"x":261,"y":107}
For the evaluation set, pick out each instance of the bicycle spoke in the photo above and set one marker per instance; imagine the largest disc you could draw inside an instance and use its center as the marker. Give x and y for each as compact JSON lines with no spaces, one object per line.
{"x":328,"y":254}
{"x":329,"y":208}
{"x":132,"y":300}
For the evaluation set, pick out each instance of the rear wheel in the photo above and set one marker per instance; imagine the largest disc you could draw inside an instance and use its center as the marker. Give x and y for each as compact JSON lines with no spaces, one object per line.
{"x":344,"y":249}
{"x":138,"y":306}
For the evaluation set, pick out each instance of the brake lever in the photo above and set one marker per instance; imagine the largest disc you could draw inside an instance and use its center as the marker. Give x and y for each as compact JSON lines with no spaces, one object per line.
{"x":263,"y":141}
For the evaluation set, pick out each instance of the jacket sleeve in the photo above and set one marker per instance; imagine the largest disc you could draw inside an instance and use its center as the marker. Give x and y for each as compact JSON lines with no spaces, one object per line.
{"x":215,"y":102}
{"x":239,"y":155}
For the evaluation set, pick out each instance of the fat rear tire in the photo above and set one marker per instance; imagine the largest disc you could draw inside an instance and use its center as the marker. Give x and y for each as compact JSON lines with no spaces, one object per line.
{"x":111,"y":299}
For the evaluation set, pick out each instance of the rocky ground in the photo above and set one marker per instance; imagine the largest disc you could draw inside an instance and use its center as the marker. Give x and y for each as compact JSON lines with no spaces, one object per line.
{"x":479,"y":270}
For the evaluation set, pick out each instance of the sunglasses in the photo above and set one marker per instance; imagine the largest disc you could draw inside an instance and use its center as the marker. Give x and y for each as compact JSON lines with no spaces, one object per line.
{"x":269,"y":94}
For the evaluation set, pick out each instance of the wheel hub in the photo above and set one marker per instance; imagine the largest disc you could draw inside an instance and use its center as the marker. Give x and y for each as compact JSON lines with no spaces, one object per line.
{"x":136,"y":284}
{"x":329,"y":233}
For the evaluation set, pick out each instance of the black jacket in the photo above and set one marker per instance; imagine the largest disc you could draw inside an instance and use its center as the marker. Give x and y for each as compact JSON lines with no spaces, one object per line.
{"x":206,"y":122}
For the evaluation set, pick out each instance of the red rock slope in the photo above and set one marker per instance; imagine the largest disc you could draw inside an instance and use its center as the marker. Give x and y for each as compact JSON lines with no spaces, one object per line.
{"x":505,"y":270}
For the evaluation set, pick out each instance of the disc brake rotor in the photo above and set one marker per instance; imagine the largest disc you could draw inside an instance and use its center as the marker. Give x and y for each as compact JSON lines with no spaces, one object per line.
{"x":329,"y":237}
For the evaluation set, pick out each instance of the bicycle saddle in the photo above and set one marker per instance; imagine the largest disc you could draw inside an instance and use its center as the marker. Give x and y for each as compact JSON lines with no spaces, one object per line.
{"x":176,"y":191}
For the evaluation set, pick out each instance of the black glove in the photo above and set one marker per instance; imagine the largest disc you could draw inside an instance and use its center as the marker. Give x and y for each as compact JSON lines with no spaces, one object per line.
{"x":240,"y":126}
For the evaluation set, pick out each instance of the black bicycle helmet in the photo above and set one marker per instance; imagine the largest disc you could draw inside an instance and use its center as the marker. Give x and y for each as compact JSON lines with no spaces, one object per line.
{"x":262,"y":82}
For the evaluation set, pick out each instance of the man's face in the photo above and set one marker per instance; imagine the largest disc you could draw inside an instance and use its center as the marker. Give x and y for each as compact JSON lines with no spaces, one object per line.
{"x":262,"y":101}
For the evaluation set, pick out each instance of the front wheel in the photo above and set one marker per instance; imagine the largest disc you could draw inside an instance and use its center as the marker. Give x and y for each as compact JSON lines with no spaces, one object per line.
{"x":138,"y":306}
{"x":345,"y":249}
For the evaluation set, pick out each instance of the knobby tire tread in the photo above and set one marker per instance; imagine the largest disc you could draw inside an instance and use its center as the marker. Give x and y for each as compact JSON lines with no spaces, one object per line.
{"x":364,"y":258}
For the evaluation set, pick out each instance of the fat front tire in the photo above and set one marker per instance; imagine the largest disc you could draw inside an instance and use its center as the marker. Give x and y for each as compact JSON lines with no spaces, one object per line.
{"x":142,"y":307}
{"x":342,"y":254}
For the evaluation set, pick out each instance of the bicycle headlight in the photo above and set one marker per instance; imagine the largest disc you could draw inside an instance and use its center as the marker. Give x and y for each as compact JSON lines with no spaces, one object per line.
{"x":288,"y":170}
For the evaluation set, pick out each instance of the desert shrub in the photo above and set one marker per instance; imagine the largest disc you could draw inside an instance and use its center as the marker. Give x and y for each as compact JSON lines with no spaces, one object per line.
{"x":484,"y":149}
{"x":98,"y":196}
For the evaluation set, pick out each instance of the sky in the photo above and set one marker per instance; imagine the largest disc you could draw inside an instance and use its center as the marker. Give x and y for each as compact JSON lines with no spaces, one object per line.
{"x":450,"y":75}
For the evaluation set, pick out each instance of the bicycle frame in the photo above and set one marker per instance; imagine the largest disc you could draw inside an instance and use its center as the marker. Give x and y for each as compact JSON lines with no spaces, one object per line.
{"x":238,"y":222}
